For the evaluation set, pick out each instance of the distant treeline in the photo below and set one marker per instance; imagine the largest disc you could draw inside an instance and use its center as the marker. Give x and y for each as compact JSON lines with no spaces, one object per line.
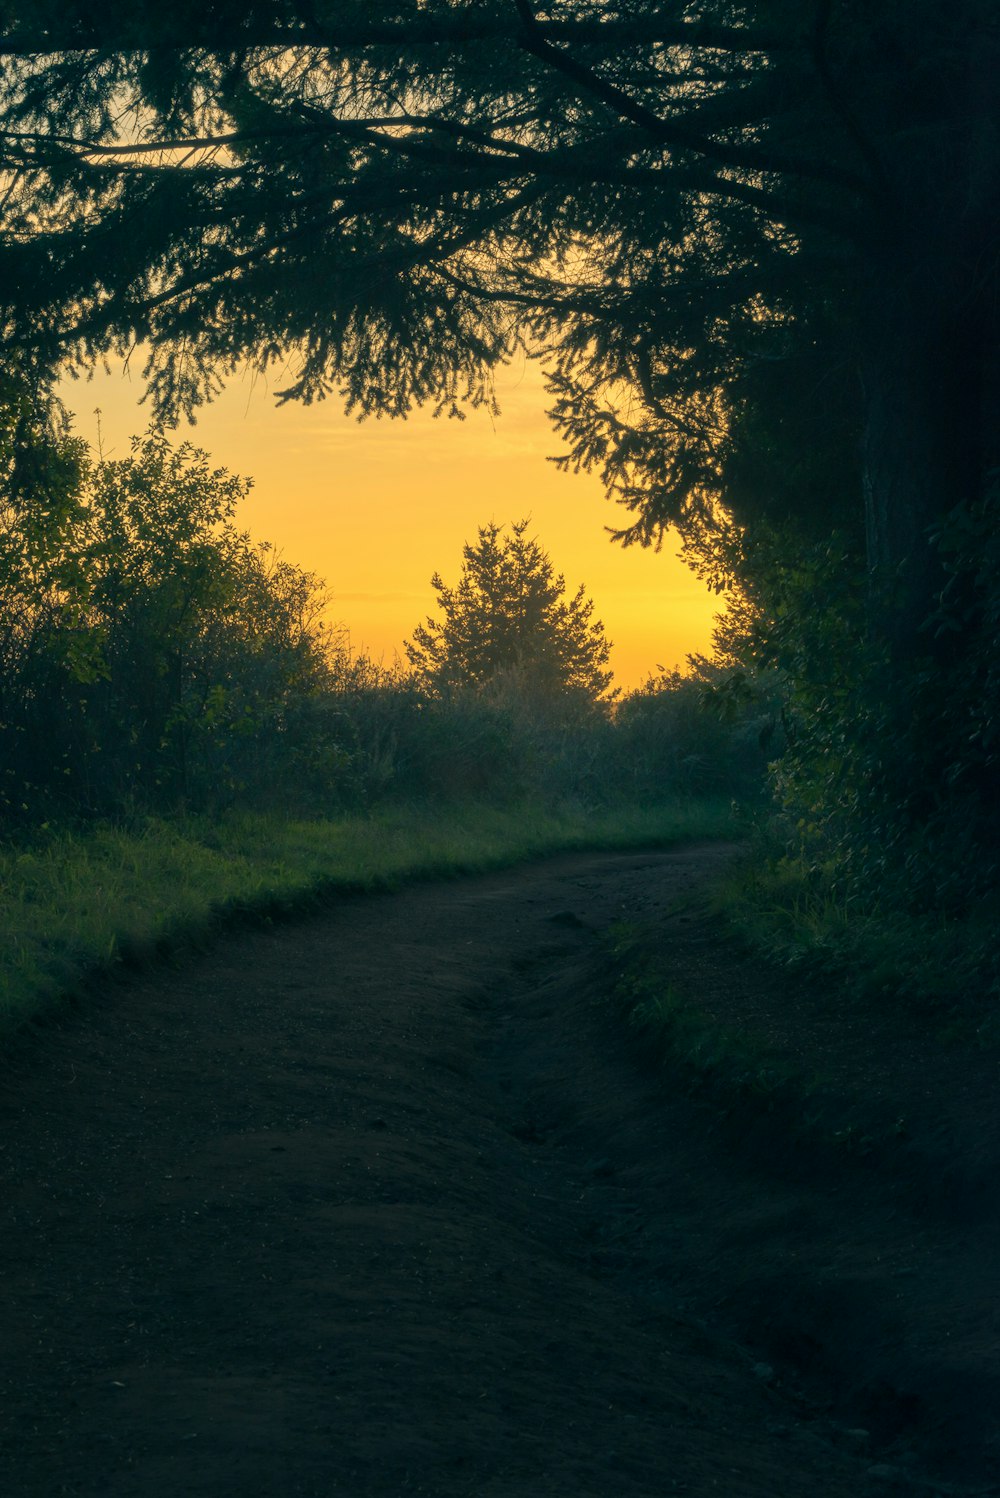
{"x":154,"y":658}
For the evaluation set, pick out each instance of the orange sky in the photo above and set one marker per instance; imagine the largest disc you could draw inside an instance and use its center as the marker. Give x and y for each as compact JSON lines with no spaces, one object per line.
{"x":376,"y":507}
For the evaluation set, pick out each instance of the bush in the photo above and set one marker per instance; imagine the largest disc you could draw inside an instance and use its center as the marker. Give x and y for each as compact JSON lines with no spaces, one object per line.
{"x":703,"y":734}
{"x":152,"y":656}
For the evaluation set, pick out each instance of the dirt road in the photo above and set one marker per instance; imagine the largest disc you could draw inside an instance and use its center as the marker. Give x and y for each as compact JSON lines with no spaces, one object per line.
{"x":380,"y":1203}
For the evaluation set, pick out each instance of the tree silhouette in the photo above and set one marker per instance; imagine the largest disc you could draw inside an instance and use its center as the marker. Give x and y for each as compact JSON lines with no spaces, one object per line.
{"x":736,"y":234}
{"x":150,"y":653}
{"x":663,"y":198}
{"x":509,"y":620}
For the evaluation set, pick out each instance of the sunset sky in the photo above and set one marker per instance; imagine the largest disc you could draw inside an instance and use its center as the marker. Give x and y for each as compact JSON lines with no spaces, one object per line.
{"x":376,"y":507}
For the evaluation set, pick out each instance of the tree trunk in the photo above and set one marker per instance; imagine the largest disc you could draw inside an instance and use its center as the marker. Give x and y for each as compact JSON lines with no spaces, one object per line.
{"x":928,"y":369}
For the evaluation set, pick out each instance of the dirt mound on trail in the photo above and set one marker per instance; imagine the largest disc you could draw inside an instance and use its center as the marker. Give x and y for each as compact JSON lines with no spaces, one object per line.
{"x":380,"y":1202}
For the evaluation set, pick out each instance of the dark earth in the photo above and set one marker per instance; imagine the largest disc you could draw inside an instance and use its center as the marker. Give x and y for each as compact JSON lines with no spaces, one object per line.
{"x":388,"y":1201}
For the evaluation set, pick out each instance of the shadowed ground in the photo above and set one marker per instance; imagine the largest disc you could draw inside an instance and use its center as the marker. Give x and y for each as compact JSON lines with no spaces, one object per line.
{"x":380,"y":1202}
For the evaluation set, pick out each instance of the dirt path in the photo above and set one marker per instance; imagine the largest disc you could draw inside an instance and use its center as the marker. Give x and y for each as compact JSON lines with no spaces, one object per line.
{"x":380,"y":1203}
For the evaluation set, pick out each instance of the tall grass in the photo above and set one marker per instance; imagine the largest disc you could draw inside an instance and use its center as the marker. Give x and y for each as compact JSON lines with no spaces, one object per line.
{"x":799,"y":915}
{"x":748,"y":1079}
{"x":79,"y":903}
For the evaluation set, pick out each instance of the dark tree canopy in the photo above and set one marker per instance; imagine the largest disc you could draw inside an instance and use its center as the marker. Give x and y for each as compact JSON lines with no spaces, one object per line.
{"x":665,"y":199}
{"x":755,"y":245}
{"x":509,"y":621}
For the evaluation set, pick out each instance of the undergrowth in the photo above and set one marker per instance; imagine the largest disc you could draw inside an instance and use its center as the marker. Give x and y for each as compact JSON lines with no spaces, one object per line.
{"x":78,"y":904}
{"x":743,"y":1078}
{"x":795,"y":912}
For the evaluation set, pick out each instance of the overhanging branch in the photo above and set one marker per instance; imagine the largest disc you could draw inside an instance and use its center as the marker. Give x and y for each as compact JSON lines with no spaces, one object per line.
{"x":196,"y":30}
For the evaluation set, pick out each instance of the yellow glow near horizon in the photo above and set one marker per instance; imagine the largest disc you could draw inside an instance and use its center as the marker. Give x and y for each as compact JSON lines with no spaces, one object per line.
{"x":376,"y":507}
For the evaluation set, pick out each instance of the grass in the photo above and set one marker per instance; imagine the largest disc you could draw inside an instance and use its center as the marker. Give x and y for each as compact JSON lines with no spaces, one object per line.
{"x":795,"y":917}
{"x":676,"y":1031}
{"x":742,"y":1077}
{"x":79,"y":904}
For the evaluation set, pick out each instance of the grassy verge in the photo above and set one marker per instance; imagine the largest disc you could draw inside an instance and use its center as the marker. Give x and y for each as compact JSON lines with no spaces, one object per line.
{"x":81,"y":903}
{"x":793,"y":915}
{"x":746,"y":1080}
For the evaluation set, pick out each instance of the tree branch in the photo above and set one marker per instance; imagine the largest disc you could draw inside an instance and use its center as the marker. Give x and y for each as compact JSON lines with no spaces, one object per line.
{"x":198,"y":31}
{"x":673,"y":132}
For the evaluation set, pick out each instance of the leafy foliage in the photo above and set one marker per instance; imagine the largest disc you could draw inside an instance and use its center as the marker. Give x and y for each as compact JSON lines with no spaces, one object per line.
{"x":509,"y":619}
{"x":665,"y":202}
{"x":886,"y":779}
{"x":155,"y":659}
{"x":705,"y":733}
{"x":150,"y":650}
{"x":754,"y":245}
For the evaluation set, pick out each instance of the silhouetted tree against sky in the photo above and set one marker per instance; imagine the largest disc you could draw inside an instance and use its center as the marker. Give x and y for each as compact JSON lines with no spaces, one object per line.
{"x":664,"y":197}
{"x":150,"y":653}
{"x":755,"y":245}
{"x":509,"y":619}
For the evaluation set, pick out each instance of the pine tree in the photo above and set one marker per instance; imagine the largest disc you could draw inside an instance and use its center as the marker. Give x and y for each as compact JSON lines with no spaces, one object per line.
{"x":509,"y":619}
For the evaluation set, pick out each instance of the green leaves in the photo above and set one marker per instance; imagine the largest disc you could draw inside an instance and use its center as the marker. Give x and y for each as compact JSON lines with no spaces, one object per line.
{"x":509,"y":619}
{"x":149,"y":652}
